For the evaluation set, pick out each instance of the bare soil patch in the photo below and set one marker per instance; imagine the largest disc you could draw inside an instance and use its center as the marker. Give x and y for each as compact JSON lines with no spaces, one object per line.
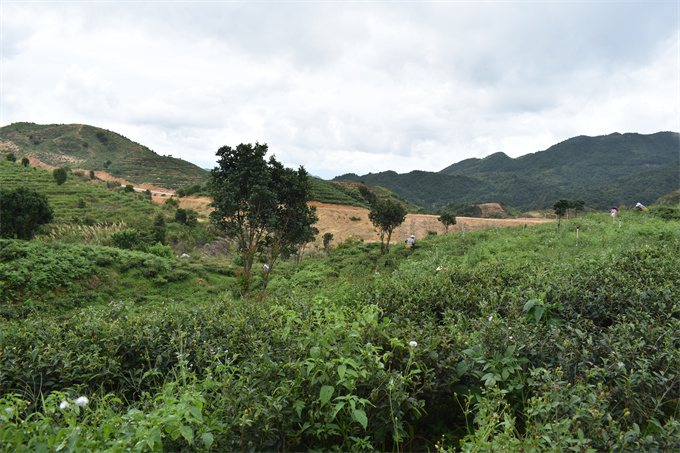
{"x":349,"y":221}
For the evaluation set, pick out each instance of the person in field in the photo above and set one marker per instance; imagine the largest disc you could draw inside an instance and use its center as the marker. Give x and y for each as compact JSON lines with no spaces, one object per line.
{"x":411,"y":242}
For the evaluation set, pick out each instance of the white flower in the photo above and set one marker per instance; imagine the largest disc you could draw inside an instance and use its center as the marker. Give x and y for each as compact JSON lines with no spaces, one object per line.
{"x":82,"y":401}
{"x":63,"y":405}
{"x":620,"y":364}
{"x":413,"y":344}
{"x":511,"y":337}
{"x":490,"y":318}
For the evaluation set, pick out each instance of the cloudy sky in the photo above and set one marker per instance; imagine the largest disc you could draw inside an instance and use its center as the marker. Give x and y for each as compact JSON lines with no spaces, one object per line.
{"x":344,"y":86}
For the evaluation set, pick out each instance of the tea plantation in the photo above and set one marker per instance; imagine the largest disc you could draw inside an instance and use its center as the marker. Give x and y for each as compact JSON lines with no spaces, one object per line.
{"x":523,"y":339}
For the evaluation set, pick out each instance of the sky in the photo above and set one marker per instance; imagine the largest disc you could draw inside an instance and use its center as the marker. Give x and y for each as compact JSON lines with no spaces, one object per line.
{"x":344,"y":86}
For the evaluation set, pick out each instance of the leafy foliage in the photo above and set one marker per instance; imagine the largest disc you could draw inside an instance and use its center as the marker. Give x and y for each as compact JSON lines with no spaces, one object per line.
{"x":260,"y":204}
{"x":22,"y":210}
{"x":97,"y":149}
{"x":615,"y":169}
{"x":448,"y":219}
{"x":60,"y":175}
{"x":386,"y":215}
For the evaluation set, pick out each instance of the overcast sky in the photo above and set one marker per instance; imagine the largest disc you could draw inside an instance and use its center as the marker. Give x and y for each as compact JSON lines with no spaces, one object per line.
{"x":344,"y":86}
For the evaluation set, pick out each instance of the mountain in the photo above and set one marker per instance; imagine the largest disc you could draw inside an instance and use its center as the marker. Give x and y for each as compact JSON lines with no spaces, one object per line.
{"x":92,"y":148}
{"x":626,"y":167}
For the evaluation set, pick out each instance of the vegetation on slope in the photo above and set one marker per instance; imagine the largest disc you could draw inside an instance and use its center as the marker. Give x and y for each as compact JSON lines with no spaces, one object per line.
{"x":92,"y":148}
{"x":523,"y":338}
{"x":637,"y":163}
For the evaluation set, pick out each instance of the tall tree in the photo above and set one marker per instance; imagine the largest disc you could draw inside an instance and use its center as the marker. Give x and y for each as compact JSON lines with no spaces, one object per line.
{"x":448,"y":219}
{"x":386,"y":215}
{"x":21,"y":212}
{"x":260,"y":204}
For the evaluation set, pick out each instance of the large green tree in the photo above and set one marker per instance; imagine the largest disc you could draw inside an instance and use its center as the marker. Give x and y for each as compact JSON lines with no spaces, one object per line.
{"x":386,"y":215}
{"x":261,"y":204}
{"x":22,"y":210}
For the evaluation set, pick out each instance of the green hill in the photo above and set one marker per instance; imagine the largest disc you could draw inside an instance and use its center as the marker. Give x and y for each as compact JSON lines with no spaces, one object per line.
{"x":621,"y":167}
{"x":92,"y":148}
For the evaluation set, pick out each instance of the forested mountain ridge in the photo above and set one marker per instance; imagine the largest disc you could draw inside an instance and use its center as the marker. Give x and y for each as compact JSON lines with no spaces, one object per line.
{"x":93,"y":148}
{"x":589,"y":166}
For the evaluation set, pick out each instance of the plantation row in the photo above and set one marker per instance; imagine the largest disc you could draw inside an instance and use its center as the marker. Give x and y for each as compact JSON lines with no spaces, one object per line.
{"x":498,"y":340}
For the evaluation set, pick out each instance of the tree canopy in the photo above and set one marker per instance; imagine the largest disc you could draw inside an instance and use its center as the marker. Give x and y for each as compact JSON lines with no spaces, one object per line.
{"x":21,"y":212}
{"x":60,"y":175}
{"x":448,"y":219}
{"x":261,"y":204}
{"x":386,"y":215}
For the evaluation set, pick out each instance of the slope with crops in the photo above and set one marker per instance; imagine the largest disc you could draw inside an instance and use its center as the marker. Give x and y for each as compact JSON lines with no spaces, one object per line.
{"x":518,"y":339}
{"x":92,"y":148}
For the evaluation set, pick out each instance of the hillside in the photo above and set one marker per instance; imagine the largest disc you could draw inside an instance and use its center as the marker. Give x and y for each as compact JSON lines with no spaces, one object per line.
{"x":587,"y":167}
{"x":91,"y":148}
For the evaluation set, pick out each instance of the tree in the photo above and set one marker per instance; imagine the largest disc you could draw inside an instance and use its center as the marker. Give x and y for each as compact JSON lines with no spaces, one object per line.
{"x":92,"y":175}
{"x":25,"y":161}
{"x":386,"y":215}
{"x":159,"y":229}
{"x":60,"y":175}
{"x":260,"y":204}
{"x":561,"y":208}
{"x":21,"y":212}
{"x":578,"y":205}
{"x":448,"y":219}
{"x":11,"y":157}
{"x":181,"y":216}
{"x":327,"y":238}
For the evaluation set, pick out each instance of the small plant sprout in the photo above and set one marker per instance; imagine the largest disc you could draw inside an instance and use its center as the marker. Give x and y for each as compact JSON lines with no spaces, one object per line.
{"x":413,"y":344}
{"x":82,"y":401}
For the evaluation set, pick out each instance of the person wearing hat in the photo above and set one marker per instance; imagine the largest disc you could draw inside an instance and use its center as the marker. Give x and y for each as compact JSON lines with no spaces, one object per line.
{"x":411,"y":242}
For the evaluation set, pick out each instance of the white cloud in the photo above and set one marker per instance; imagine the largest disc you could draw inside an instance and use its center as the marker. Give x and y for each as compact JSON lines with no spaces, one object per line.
{"x":343,"y":86}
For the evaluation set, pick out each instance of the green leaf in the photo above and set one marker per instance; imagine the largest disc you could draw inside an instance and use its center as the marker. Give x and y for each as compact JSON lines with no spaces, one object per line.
{"x":207,"y":439}
{"x":538,"y":312}
{"x":359,"y":415}
{"x":298,"y":405}
{"x":315,"y":352}
{"x":505,"y":374}
{"x":461,"y":368}
{"x":326,"y":393}
{"x":187,"y":433}
{"x":341,"y":370}
{"x":529,"y":305}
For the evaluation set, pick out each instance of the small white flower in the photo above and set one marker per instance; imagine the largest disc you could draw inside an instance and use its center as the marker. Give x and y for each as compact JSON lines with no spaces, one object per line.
{"x":413,"y":344}
{"x":82,"y":401}
{"x":490,"y":318}
{"x":620,"y":364}
{"x":511,"y":337}
{"x":63,"y":405}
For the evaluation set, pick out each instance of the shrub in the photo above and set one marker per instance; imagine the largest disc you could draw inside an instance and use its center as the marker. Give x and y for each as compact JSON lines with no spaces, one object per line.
{"x":22,"y":211}
{"x":125,"y":239}
{"x":60,"y":175}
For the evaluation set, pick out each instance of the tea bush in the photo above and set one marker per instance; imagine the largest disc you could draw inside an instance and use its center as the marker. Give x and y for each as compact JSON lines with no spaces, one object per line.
{"x":536,"y":343}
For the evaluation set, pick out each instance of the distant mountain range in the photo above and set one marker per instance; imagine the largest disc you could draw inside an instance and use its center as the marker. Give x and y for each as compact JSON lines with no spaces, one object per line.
{"x":616,"y":169}
{"x":619,"y":169}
